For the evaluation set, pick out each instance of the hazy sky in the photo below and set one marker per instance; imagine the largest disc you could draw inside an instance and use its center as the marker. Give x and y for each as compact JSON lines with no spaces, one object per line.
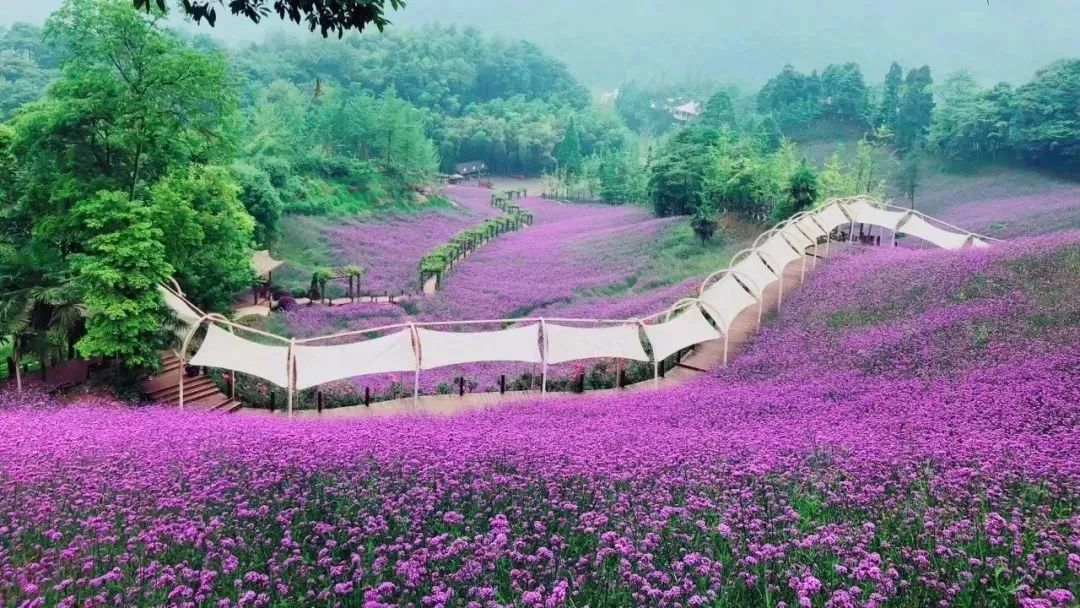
{"x":744,"y":41}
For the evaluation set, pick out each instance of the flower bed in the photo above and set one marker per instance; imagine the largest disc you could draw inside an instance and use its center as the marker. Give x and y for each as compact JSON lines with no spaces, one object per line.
{"x":819,"y":470}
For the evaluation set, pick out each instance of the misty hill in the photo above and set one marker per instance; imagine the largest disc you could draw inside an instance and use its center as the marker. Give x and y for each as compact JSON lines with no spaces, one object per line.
{"x":607,"y":42}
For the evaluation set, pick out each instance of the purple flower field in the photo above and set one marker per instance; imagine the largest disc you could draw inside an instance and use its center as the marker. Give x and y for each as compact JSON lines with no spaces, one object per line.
{"x":391,"y":248}
{"x":1012,"y":216}
{"x":911,"y":439}
{"x":547,"y":269}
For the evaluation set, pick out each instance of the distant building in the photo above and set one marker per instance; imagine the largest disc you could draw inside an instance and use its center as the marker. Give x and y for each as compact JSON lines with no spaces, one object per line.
{"x":472,"y":168}
{"x":687,"y":111}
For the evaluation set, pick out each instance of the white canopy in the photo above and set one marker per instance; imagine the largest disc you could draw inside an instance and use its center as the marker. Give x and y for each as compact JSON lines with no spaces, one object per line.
{"x":865,"y":213}
{"x":796,"y":237}
{"x":810,"y":227}
{"x":441,"y":348}
{"x":977,"y":242}
{"x":187,"y":315}
{"x":688,"y":328}
{"x":917,"y":226}
{"x":778,"y":252}
{"x":726,"y":298}
{"x":831,"y":216}
{"x":572,"y":343}
{"x":757,"y":271}
{"x":226,"y":351}
{"x":317,"y":365}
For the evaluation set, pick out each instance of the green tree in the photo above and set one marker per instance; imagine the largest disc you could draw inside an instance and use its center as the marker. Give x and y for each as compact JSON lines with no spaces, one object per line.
{"x":41,"y":310}
{"x":209,"y":234}
{"x":889,"y":107}
{"x":802,"y":191}
{"x":327,"y":17}
{"x":719,"y":112}
{"x":123,"y":263}
{"x":1046,"y":128}
{"x":703,"y":222}
{"x":769,"y":134}
{"x":261,"y":200}
{"x":971,"y":124}
{"x":568,"y":152}
{"x":844,"y":92}
{"x":916,"y":109}
{"x":131,"y":102}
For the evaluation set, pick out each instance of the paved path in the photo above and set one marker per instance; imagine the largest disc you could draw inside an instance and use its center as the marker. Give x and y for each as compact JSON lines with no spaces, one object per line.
{"x":706,"y":356}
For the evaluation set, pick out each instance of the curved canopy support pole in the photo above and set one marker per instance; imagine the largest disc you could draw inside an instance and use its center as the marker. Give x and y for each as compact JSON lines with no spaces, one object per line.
{"x":543,"y":359}
{"x":291,"y":378}
{"x":417,"y":353}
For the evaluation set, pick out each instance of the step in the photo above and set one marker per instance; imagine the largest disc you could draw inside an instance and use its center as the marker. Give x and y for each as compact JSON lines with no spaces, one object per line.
{"x":190,"y":386}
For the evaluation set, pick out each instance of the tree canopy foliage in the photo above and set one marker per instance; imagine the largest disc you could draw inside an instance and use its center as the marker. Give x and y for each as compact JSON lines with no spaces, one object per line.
{"x":327,"y":17}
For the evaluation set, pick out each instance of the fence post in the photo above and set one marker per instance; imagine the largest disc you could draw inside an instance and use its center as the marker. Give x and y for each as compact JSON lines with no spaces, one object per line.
{"x":367,"y":396}
{"x":461,"y":386}
{"x":581,"y":382}
{"x":502,"y":384}
{"x":318,"y":397}
{"x":273,"y":400}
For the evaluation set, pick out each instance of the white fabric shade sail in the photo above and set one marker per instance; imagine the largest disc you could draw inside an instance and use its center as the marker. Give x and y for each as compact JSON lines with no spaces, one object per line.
{"x":320,"y":364}
{"x":778,"y":252}
{"x":725,"y":299}
{"x":865,"y":213}
{"x":573,"y":343}
{"x":688,"y":328}
{"x":918,"y":227}
{"x":187,"y":315}
{"x":810,"y":227}
{"x":758,"y":273}
{"x":222,"y":349}
{"x":796,"y":237}
{"x":830,"y":217}
{"x":442,"y":348}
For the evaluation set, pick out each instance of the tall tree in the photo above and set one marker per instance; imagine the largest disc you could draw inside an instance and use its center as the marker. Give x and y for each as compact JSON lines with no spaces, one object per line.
{"x":123,"y":263}
{"x":719,"y":112}
{"x":890,"y":98}
{"x":916,"y":109}
{"x":568,"y":152}
{"x":844,"y":93}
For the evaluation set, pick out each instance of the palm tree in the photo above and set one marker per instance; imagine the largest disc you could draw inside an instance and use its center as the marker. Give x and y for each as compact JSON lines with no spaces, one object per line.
{"x":41,"y":309}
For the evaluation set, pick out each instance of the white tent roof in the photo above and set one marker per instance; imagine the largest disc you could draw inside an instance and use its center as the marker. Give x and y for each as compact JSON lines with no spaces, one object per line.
{"x":320,"y":364}
{"x":831,"y":216}
{"x":726,"y":298}
{"x":441,"y":348}
{"x":757,"y":272}
{"x":226,"y":351}
{"x":917,"y":226}
{"x":687,"y":329}
{"x":573,"y":343}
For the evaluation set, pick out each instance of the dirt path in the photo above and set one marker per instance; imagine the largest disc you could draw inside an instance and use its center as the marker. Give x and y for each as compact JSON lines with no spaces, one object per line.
{"x":705,"y":356}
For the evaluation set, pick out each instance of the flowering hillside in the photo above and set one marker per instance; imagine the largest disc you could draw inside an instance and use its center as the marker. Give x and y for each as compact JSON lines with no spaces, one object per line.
{"x":390,"y":248}
{"x":905,"y":433}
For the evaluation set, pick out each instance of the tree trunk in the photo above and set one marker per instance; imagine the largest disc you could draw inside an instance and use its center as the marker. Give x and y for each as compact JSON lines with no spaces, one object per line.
{"x":18,"y":372}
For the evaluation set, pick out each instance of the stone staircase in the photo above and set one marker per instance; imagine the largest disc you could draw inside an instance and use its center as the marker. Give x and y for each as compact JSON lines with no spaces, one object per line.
{"x":200,"y":392}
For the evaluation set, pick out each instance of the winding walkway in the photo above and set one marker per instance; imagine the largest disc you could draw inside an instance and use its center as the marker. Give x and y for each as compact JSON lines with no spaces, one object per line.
{"x":703,"y":358}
